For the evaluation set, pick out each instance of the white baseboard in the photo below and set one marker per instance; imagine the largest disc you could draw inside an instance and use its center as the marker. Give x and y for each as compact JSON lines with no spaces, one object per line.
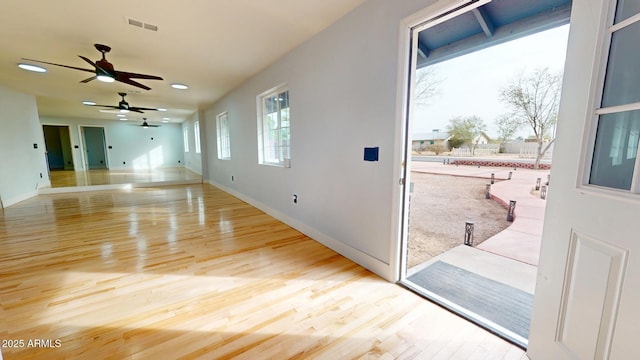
{"x":369,"y":262}
{"x":197,"y":171}
{"x":16,"y":199}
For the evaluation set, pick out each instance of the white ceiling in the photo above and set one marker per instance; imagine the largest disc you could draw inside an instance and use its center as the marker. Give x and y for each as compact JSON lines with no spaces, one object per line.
{"x":210,"y":45}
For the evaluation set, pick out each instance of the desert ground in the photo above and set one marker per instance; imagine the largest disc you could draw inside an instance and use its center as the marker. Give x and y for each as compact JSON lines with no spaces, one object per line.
{"x":440,"y":206}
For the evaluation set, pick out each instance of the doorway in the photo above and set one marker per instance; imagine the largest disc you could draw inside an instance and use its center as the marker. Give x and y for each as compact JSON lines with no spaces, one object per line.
{"x":58,"y":147}
{"x":95,"y":149}
{"x":491,"y":297}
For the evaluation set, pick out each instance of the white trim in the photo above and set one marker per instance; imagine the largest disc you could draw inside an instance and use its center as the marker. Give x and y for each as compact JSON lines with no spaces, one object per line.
{"x":598,"y":75}
{"x":618,"y":108}
{"x":83,"y":145}
{"x":355,"y":255}
{"x":261,"y":112}
{"x":16,"y":199}
{"x":68,"y":126}
{"x":435,"y":18}
{"x":624,"y":23}
{"x":402,"y":158}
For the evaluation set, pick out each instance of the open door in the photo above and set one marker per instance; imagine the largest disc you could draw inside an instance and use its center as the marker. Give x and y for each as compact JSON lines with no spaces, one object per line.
{"x":589,"y":273}
{"x":57,"y":140}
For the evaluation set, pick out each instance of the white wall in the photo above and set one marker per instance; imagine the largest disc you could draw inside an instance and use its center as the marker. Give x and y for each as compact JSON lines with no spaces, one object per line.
{"x":23,"y":169}
{"x":193,"y":160}
{"x":342,"y":89}
{"x":132,"y":145}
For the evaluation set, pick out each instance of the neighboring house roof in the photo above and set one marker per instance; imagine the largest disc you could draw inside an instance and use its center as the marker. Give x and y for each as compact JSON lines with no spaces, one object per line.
{"x":431,"y":136}
{"x":484,"y":134}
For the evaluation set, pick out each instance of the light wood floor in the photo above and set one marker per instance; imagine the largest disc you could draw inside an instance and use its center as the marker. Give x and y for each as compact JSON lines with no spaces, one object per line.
{"x":190,"y":272}
{"x":60,"y":178}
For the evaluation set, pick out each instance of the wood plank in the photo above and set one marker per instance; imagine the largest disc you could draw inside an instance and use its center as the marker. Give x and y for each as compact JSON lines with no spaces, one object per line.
{"x":191,"y":272}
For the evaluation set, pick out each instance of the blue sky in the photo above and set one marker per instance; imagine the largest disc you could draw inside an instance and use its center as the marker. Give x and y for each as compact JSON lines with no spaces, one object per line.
{"x":471,"y":83}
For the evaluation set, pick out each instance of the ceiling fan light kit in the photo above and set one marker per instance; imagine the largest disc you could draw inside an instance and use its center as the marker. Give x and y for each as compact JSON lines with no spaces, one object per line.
{"x":104,"y":70}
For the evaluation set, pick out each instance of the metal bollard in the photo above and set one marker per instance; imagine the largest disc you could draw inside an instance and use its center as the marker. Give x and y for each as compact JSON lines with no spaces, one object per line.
{"x":493,"y":178}
{"x":510,"y":174}
{"x":548,"y":179}
{"x":538,"y":180}
{"x":543,"y":192}
{"x":444,"y":161}
{"x":468,"y":233}
{"x":512,"y":208}
{"x":487,"y":191}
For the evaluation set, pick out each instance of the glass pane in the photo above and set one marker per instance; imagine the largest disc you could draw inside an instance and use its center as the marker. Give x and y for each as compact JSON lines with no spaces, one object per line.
{"x":626,"y":9}
{"x":283,"y":97}
{"x":616,"y":150}
{"x":622,"y":82}
{"x":284,"y":117}
{"x":270,"y":104}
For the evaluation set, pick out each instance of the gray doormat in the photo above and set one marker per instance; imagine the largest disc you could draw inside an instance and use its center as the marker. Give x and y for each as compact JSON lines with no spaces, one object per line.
{"x":504,"y":305}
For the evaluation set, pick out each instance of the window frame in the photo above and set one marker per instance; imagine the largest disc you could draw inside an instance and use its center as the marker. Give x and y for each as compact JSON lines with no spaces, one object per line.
{"x":196,"y":137}
{"x":284,"y":145}
{"x":597,"y":111}
{"x":185,"y":138}
{"x":223,"y":137}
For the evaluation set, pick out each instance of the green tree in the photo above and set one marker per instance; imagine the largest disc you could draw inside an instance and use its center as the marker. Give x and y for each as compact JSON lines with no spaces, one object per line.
{"x":534,"y":100}
{"x":507,"y":127}
{"x":467,"y":130}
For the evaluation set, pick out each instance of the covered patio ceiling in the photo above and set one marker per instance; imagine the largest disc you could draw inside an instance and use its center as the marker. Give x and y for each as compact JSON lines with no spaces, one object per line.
{"x":493,"y":23}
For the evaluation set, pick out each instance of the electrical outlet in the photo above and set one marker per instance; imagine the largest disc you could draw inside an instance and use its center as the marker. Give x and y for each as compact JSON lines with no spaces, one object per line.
{"x":295,"y":198}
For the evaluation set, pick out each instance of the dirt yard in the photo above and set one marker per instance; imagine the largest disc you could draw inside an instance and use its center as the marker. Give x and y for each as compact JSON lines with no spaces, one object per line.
{"x":440,"y":207}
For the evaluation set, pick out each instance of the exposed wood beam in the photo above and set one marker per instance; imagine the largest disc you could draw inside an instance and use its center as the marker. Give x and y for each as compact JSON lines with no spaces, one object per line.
{"x":484,"y":20}
{"x":528,"y":26}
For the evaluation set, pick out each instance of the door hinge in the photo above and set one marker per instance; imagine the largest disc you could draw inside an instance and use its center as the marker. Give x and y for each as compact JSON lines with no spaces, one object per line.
{"x":401,"y":182}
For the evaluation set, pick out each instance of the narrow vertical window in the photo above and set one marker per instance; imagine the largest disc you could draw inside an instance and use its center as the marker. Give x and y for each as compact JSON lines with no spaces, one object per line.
{"x":224,"y":145}
{"x":275,"y":137}
{"x":615,"y":162}
{"x":196,"y":135}
{"x":185,"y":135}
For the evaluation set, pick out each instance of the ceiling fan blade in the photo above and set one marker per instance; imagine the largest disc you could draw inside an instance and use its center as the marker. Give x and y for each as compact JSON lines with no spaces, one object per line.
{"x":65,"y":66}
{"x":137,"y":76}
{"x":87,"y":60}
{"x":136,"y":110}
{"x":108,"y":106}
{"x":88,"y":79}
{"x":141,"y":108}
{"x":131,"y":82}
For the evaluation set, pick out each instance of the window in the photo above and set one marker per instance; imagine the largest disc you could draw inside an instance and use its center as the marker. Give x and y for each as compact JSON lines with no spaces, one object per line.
{"x":614,"y":161}
{"x":185,"y":136}
{"x":224,"y":145}
{"x":274,"y":127}
{"x":196,"y":135}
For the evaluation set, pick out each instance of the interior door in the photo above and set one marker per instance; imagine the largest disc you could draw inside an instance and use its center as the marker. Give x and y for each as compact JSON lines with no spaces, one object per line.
{"x":588,"y":285}
{"x":95,"y":147}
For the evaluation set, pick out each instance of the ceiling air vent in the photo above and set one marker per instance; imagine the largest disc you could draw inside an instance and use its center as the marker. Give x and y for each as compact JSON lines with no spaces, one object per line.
{"x":141,"y":24}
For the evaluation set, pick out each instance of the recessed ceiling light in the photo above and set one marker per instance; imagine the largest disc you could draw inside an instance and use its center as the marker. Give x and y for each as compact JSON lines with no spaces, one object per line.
{"x":179,"y":86}
{"x":121,"y":115}
{"x":165,"y":121}
{"x":166,"y":118}
{"x":123,"y":119}
{"x":161,"y":109}
{"x":87,"y":102}
{"x":30,"y":67}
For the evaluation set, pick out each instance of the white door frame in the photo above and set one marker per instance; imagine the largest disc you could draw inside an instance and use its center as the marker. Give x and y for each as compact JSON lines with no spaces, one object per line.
{"x":430,"y":16}
{"x":83,"y":145}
